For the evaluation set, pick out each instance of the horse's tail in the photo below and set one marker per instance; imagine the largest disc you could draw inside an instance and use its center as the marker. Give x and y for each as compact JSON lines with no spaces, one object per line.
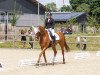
{"x":66,"y":46}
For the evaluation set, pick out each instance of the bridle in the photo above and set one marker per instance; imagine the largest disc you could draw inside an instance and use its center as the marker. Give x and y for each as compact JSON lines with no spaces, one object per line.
{"x":37,"y":33}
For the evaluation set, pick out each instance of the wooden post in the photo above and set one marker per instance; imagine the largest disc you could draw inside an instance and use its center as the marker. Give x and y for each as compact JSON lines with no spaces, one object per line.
{"x":6,"y":23}
{"x":38,"y":12}
{"x":80,"y":42}
{"x":14,"y":37}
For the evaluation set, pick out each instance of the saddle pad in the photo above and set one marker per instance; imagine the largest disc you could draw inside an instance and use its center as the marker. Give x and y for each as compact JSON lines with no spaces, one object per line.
{"x":56,"y":36}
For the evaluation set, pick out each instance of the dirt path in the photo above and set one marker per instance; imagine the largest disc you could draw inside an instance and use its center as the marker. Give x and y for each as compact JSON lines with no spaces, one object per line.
{"x":10,"y":59}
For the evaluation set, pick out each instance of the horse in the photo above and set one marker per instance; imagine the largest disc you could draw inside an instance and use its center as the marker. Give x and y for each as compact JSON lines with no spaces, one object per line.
{"x":43,"y":37}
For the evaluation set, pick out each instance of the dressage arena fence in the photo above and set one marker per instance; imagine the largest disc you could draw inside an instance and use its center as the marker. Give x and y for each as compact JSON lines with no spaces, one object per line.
{"x":70,"y":39}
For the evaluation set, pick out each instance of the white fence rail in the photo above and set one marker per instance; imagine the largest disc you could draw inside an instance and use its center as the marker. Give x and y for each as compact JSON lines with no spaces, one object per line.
{"x":93,"y":40}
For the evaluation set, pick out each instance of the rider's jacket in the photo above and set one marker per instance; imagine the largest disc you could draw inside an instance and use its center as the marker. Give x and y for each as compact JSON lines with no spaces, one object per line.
{"x":49,"y":23}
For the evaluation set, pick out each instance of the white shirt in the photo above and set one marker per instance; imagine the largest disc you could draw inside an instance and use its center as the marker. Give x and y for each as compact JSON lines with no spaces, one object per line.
{"x":78,"y":39}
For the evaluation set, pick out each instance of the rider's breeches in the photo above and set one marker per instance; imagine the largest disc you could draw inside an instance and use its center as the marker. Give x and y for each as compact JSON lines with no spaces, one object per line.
{"x":52,"y":31}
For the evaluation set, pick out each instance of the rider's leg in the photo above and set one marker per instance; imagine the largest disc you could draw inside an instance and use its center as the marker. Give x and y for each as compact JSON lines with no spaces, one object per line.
{"x":53,"y":35}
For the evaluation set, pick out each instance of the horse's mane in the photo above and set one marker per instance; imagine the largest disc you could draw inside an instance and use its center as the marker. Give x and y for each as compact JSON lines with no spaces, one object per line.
{"x":42,"y":29}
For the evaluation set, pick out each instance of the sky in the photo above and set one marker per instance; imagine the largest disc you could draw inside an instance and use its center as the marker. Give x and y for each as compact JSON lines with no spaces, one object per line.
{"x":59,"y":3}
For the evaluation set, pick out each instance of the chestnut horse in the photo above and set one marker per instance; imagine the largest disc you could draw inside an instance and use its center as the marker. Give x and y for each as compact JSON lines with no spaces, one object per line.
{"x":44,"y":41}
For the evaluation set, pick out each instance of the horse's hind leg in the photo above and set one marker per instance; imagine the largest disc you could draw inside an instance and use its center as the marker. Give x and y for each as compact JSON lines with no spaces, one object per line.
{"x":62,"y":48}
{"x":55,"y":52}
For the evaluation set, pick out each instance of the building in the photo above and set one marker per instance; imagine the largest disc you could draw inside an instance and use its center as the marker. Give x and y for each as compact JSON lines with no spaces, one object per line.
{"x":27,"y":11}
{"x":64,"y":17}
{"x":26,"y":14}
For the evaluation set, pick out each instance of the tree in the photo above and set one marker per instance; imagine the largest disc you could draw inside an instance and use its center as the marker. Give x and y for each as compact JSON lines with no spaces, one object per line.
{"x":65,"y":8}
{"x":94,"y":6}
{"x":51,"y":6}
{"x":72,"y":21}
{"x":92,"y":21}
{"x":83,"y":8}
{"x":14,"y":19}
{"x":15,"y":15}
{"x":96,"y":13}
{"x":76,"y":3}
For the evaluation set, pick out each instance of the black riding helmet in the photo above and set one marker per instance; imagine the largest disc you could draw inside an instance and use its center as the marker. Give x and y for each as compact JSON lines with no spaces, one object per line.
{"x":49,"y":14}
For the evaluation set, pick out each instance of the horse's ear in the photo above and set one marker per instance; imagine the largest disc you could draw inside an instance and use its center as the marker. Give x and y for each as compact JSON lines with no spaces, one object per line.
{"x":42,"y":27}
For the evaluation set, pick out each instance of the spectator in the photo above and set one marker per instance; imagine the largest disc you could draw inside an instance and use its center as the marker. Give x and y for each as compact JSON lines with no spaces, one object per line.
{"x":23,"y":37}
{"x":84,"y":43}
{"x":68,"y":30}
{"x":30,"y":38}
{"x":62,"y":30}
{"x":78,"y":41}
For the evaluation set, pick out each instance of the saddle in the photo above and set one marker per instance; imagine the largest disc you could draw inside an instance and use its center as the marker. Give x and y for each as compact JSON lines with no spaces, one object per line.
{"x":51,"y":37}
{"x":50,"y":33}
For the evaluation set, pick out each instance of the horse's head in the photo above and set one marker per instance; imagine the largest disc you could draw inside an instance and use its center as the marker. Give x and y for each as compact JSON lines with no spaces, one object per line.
{"x":39,"y":31}
{"x":42,"y":30}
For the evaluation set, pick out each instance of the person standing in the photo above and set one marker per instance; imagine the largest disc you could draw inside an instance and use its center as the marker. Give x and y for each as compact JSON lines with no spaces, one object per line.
{"x":30,"y":38}
{"x":23,"y":38}
{"x":49,"y":25}
{"x":78,"y":41}
{"x":84,"y":43}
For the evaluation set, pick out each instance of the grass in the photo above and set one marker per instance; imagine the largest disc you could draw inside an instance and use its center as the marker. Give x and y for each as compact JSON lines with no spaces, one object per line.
{"x":6,"y":45}
{"x":69,"y":39}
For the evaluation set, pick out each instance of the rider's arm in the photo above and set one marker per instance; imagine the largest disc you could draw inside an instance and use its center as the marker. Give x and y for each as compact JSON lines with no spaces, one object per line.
{"x":53,"y":23}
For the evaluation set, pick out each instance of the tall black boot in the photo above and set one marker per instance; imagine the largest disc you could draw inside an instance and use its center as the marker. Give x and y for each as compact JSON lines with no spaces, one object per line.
{"x":0,"y":65}
{"x":54,"y":40}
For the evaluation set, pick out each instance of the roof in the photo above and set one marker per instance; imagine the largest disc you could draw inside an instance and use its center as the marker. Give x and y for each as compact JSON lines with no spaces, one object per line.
{"x":65,"y":16}
{"x":33,"y":2}
{"x":36,"y":2}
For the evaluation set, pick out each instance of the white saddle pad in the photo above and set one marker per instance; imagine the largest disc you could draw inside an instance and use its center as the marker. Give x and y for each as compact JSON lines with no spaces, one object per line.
{"x":56,"y":36}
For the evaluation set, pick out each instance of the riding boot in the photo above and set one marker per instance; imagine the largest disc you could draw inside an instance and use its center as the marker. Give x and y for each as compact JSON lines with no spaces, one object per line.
{"x":0,"y":65}
{"x":54,"y":40}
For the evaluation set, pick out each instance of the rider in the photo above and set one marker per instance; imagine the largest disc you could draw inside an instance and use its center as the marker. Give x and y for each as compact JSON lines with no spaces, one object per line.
{"x":49,"y":25}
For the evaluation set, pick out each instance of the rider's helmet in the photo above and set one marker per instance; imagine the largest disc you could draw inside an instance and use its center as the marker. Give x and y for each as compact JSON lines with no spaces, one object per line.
{"x":49,"y":14}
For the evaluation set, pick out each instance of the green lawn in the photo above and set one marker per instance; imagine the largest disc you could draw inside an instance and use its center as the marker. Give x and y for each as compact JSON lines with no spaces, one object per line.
{"x":69,"y":39}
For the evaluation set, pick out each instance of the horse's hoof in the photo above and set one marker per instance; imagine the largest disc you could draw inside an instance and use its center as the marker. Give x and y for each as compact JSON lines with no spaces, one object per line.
{"x":37,"y":64}
{"x":53,"y":63}
{"x":46,"y":64}
{"x":63,"y":62}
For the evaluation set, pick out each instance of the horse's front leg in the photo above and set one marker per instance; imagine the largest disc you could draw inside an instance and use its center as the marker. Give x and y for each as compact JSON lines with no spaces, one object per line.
{"x":45,"y":58}
{"x":43,"y":51}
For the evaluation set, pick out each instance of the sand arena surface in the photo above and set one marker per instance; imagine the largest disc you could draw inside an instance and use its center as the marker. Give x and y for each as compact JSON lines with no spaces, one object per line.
{"x":10,"y":59}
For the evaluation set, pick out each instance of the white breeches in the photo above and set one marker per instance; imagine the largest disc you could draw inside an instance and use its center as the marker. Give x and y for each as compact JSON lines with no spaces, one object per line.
{"x":52,"y":31}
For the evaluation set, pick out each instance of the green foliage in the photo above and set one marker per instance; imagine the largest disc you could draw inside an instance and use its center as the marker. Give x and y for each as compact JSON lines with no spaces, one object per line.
{"x":97,"y":26}
{"x":14,"y":19}
{"x":6,"y":45}
{"x":83,"y":8}
{"x":51,"y":6}
{"x":91,"y":6}
{"x":65,"y":8}
{"x":72,"y":22}
{"x":96,"y":13}
{"x":15,"y":15}
{"x":91,"y":21}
